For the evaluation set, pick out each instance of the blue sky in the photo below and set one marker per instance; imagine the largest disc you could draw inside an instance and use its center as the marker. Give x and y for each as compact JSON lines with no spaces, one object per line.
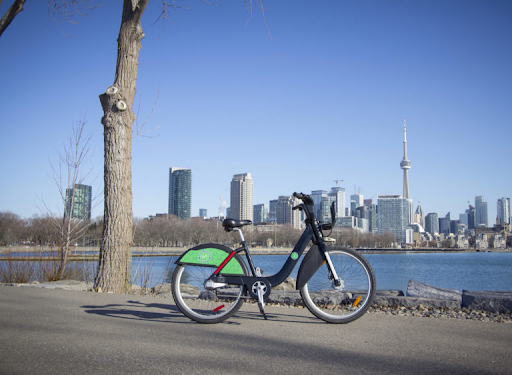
{"x":321,"y":99}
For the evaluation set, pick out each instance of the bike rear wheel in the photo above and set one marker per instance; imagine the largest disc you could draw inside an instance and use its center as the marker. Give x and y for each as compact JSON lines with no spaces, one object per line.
{"x":350,"y":300}
{"x":205,"y":305}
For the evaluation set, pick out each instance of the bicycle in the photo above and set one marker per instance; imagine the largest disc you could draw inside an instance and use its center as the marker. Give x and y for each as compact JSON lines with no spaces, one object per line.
{"x":211,"y":281}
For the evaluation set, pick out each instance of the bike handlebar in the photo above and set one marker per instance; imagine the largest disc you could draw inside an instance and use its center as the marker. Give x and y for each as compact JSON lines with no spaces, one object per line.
{"x":308,"y":204}
{"x":298,"y":195}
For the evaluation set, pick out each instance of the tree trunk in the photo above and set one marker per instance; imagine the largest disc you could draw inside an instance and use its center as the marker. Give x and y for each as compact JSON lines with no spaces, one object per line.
{"x":117,"y":102}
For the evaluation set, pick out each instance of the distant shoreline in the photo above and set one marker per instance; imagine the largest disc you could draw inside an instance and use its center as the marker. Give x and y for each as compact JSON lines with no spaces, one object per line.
{"x":174,"y":251}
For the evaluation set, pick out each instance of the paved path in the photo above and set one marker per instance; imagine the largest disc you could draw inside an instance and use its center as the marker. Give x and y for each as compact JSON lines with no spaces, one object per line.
{"x":46,"y":331}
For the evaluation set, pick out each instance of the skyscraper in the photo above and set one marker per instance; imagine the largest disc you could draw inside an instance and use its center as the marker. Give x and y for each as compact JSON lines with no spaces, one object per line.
{"x":503,"y":210}
{"x":339,"y":194}
{"x":394,"y":215}
{"x":272,"y":208}
{"x":444,"y":224}
{"x":324,"y":211}
{"x":419,"y":216}
{"x":78,"y":202}
{"x":481,"y":217}
{"x":356,"y":200}
{"x":241,"y":197}
{"x":316,"y":196}
{"x":405,"y":165}
{"x":432,"y":223}
{"x":260,"y":213}
{"x":180,"y":192}
{"x":284,"y":212}
{"x":471,"y":212}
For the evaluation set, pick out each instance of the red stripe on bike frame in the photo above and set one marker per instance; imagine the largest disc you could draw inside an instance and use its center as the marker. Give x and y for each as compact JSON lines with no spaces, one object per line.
{"x":231,"y":255}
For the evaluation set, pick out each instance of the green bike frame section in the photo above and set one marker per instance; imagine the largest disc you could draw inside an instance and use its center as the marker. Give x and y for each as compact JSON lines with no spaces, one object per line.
{"x":209,"y":256}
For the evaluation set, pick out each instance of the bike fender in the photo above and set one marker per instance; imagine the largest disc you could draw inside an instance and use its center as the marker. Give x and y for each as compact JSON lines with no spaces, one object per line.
{"x":311,"y":263}
{"x":211,"y":255}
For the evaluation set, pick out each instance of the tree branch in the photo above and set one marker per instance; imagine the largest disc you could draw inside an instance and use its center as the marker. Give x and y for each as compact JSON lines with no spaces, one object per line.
{"x":139,"y":130}
{"x":12,"y":12}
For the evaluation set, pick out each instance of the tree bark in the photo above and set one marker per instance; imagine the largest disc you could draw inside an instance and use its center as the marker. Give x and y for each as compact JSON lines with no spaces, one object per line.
{"x":117,"y":102}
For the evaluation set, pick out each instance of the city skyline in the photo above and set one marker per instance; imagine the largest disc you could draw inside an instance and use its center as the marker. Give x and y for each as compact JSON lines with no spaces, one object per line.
{"x":300,"y":109}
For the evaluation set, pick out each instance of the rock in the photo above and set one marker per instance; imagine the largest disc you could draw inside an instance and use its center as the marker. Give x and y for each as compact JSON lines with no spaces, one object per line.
{"x":291,"y":298}
{"x":288,"y":285}
{"x":163,"y":288}
{"x":412,"y":302}
{"x":62,"y":284}
{"x":390,"y":293}
{"x":497,"y":302}
{"x":189,"y":289}
{"x":419,"y":289}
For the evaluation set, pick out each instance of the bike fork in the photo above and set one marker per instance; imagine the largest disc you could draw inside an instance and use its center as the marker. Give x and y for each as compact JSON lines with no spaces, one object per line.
{"x":332,"y":270}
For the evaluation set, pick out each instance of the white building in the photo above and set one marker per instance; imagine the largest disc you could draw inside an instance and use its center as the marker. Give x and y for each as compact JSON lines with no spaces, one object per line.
{"x":503,"y":210}
{"x":394,"y":215}
{"x":339,"y":194}
{"x":284,"y":212}
{"x":242,"y":197}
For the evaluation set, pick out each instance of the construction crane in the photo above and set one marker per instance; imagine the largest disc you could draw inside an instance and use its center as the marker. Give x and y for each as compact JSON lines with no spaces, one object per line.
{"x":337,"y":182}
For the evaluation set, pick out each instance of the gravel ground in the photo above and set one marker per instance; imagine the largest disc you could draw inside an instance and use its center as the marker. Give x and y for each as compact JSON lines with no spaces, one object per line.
{"x":429,"y":312}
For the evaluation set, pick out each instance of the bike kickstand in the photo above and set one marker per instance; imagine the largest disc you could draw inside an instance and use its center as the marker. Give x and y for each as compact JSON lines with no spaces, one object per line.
{"x":261,"y":303}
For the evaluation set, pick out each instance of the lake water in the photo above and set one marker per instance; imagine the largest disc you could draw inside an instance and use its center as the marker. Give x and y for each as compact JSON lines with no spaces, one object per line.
{"x":470,"y":271}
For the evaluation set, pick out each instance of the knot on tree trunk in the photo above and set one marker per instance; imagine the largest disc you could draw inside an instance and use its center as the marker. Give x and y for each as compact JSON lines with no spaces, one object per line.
{"x":112,"y":101}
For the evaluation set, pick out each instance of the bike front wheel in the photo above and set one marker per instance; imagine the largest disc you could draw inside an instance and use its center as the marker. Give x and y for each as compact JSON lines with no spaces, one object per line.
{"x":201,"y":304}
{"x":345,"y":302}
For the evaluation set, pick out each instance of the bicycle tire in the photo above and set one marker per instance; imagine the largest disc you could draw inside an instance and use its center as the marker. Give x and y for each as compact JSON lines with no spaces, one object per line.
{"x":347,"y":302}
{"x":200,"y":304}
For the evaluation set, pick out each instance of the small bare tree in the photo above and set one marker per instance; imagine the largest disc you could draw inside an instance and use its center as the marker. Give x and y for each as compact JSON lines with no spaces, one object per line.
{"x":66,"y":177}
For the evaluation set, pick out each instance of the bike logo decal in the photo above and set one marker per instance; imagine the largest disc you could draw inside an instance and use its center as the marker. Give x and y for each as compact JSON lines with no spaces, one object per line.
{"x":294,"y":255}
{"x":204,"y":256}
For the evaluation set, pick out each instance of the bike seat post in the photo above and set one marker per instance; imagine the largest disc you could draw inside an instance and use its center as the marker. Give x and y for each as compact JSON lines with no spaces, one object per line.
{"x":242,"y":239}
{"x":245,"y":247}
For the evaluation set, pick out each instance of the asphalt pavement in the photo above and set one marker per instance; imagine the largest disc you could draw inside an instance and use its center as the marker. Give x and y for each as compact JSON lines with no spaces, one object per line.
{"x":44,"y":331}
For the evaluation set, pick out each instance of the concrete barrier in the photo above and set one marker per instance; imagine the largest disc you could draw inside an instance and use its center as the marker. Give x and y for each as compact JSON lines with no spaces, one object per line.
{"x":419,"y":289}
{"x":492,"y":301}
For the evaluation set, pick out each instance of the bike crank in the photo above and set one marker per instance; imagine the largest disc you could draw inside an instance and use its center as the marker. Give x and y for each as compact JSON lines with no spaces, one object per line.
{"x":260,"y":290}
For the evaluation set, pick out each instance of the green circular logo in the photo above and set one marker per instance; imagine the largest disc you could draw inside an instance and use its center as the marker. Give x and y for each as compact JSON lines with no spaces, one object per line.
{"x":294,"y":255}
{"x":205,"y":256}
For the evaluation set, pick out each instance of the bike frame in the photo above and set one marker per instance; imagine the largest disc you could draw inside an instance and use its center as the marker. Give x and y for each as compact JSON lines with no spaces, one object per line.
{"x":311,"y":233}
{"x":273,"y":280}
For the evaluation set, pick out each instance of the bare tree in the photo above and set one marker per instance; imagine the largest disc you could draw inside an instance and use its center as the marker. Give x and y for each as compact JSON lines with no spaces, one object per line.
{"x":11,"y":228}
{"x":66,"y":177}
{"x":117,"y":102}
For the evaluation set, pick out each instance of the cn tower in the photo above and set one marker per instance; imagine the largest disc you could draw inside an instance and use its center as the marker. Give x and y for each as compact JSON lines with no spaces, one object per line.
{"x":405,"y":164}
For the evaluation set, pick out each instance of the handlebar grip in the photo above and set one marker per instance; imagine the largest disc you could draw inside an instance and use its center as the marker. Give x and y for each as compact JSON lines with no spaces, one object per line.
{"x":298,"y":195}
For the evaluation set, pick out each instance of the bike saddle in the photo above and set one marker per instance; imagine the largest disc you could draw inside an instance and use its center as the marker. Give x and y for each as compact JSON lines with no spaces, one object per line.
{"x":230,"y":224}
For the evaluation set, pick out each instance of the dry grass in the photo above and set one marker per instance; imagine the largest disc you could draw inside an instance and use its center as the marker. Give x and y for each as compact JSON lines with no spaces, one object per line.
{"x":42,"y":269}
